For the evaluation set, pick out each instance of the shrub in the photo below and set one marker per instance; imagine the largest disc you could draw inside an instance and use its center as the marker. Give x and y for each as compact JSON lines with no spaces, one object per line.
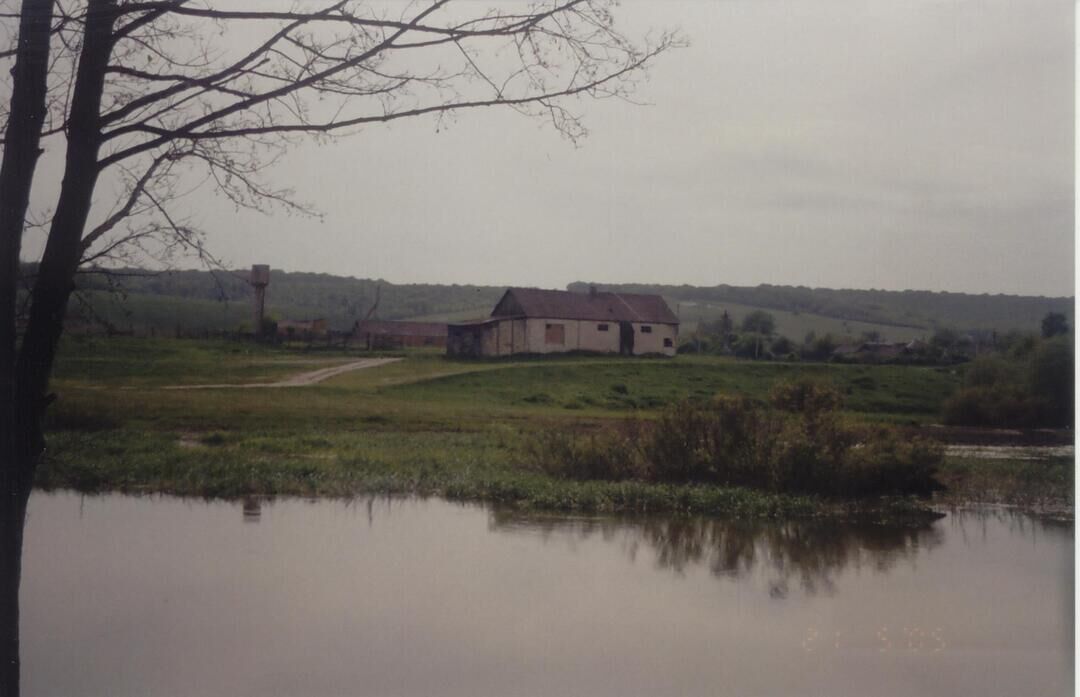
{"x":1033,"y":389}
{"x":995,"y":406}
{"x":1052,"y":381}
{"x":986,"y":371}
{"x":712,"y":442}
{"x":799,"y":443}
{"x":609,"y":454}
{"x":806,"y":397}
{"x":883,"y":461}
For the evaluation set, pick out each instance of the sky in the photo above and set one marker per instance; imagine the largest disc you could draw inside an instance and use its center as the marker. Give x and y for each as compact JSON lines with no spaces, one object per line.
{"x":843,"y":144}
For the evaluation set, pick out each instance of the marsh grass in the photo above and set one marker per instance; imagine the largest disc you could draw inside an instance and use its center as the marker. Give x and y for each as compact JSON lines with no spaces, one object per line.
{"x":1010,"y":481}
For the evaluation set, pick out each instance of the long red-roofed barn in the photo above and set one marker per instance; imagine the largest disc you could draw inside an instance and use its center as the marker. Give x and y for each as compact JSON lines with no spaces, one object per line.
{"x":532,"y":321}
{"x":384,"y":334}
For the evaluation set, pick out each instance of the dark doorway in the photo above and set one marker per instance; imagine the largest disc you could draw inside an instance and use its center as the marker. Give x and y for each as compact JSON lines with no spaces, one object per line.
{"x":626,"y":338}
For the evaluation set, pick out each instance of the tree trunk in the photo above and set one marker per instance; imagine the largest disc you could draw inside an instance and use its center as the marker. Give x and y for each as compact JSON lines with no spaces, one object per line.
{"x":22,"y":139}
{"x":56,"y":274}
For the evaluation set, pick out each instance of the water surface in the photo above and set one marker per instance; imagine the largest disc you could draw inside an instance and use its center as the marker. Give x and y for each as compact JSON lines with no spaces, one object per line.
{"x":163,"y":596}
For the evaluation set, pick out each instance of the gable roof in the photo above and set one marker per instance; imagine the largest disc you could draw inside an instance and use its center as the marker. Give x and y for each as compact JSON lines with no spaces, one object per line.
{"x":599,"y":306}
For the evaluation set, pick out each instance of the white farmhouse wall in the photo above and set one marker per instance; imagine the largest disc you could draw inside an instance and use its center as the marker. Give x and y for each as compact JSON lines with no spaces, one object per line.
{"x":653,"y":342}
{"x":578,"y":335}
{"x":592,"y":339}
{"x":585,"y":335}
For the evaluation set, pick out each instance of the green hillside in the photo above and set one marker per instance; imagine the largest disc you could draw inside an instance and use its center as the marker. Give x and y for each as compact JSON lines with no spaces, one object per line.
{"x":197,"y":300}
{"x":794,"y":325}
{"x":202,"y":300}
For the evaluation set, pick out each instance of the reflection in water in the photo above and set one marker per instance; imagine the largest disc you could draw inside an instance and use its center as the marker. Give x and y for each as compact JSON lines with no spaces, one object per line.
{"x":14,"y":496}
{"x":808,"y":553}
{"x":252,"y":509}
{"x":158,"y":595}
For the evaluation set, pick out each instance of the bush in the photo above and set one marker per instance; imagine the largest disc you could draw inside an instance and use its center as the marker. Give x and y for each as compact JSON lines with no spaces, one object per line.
{"x":994,"y":406}
{"x":607,"y":455}
{"x":806,"y":397}
{"x":799,"y":443}
{"x":725,"y":441}
{"x":1052,"y":381}
{"x":1027,"y":390}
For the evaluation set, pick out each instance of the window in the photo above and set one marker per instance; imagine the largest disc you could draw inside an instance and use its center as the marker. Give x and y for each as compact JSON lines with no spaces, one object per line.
{"x":601,"y":327}
{"x":667,"y":343}
{"x":554,"y":334}
{"x":646,"y":329}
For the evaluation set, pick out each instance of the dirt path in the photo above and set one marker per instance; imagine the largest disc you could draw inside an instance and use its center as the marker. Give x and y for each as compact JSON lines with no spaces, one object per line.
{"x":299,"y":380}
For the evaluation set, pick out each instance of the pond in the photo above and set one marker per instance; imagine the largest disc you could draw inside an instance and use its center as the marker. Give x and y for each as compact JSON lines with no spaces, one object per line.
{"x":154,"y":595}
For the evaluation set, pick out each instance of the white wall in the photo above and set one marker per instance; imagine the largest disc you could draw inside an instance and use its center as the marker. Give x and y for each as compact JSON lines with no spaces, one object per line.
{"x":653,"y":342}
{"x":585,"y":335}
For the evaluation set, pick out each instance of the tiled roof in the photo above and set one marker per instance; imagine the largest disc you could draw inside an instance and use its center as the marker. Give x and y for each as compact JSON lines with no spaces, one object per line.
{"x":597,"y":306}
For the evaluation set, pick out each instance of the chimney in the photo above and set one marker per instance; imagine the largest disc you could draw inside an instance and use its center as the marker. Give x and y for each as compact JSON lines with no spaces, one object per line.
{"x":592,"y":291}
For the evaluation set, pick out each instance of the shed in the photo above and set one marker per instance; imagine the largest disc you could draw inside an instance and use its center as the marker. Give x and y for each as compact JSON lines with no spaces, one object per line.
{"x":386,"y":334}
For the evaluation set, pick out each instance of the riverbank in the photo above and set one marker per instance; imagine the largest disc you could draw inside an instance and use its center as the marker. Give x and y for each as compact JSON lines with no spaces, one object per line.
{"x":430,"y":426}
{"x":480,"y":466}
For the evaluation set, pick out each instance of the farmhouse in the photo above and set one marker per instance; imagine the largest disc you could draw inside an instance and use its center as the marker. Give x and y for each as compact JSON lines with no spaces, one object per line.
{"x":529,"y":320}
{"x":382,"y":334}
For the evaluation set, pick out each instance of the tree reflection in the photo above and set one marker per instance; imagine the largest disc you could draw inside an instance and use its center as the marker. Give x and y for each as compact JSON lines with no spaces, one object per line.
{"x":13,"y":500}
{"x":805,"y":553}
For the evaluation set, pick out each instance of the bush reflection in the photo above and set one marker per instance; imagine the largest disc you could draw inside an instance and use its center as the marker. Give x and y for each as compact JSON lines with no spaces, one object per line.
{"x":803,"y":554}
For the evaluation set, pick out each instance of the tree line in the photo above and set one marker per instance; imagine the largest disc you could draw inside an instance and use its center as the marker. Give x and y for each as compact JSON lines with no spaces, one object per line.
{"x":919,"y":309}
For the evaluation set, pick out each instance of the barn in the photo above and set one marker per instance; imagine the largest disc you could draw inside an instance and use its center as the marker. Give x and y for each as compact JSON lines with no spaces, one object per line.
{"x":306,"y":329}
{"x":534,"y":321}
{"x":382,"y":334}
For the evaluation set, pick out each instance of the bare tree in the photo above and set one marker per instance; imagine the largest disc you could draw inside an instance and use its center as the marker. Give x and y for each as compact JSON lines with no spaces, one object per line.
{"x":149,"y":93}
{"x":26,"y":113}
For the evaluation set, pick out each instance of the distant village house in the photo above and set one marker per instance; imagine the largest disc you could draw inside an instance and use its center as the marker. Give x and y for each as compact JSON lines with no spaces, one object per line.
{"x":533,"y":321}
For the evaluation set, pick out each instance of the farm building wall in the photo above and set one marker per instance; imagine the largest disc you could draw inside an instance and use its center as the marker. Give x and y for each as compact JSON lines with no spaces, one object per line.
{"x":510,"y":336}
{"x":545,"y":336}
{"x":653,"y":341}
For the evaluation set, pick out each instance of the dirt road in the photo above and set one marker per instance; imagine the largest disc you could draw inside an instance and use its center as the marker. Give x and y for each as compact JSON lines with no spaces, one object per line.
{"x":300,"y":380}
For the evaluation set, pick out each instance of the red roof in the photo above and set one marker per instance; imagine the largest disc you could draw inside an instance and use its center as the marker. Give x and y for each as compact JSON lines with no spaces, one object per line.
{"x":596,"y":306}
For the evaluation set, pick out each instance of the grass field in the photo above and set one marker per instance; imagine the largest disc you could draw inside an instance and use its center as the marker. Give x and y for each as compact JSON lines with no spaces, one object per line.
{"x":422,"y":425}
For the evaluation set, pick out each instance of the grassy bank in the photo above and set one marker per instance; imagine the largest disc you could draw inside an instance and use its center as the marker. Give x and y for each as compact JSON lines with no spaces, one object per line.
{"x":423,"y":425}
{"x":465,"y":466}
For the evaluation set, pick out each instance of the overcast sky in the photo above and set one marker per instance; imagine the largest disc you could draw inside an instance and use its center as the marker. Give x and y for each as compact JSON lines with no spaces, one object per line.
{"x":861,"y":144}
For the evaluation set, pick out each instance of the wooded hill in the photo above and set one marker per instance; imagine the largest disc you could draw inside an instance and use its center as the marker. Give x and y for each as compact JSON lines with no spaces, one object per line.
{"x":197,"y":300}
{"x":918,"y":309}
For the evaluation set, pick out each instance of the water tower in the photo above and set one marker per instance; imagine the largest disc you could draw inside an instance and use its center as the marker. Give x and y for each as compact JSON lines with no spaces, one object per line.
{"x":260,"y":278}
